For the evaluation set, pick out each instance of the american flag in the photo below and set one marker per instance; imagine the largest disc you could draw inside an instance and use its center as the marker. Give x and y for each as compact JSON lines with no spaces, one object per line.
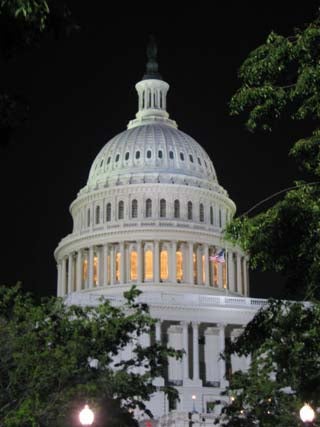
{"x":218,"y":256}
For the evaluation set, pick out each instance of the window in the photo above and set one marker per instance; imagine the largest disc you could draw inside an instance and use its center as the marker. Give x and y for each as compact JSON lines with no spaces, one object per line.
{"x":127,"y":156}
{"x":98,"y":215}
{"x":134,"y":208}
{"x":160,"y":154}
{"x":95,"y":270}
{"x":108,"y":161}
{"x":148,"y":208}
{"x":176,"y":209}
{"x":199,"y":161}
{"x":162,"y":208}
{"x":164,"y":271}
{"x":117,"y":157}
{"x":160,"y":99}
{"x":108,"y":212}
{"x":149,"y":154}
{"x":148,"y":265}
{"x":118,"y":260}
{"x":120,"y":210}
{"x":170,"y":154}
{"x":133,"y":265}
{"x":201,"y":212}
{"x":220,"y":219}
{"x":143,"y":95}
{"x":189,"y":210}
{"x":88,"y":218}
{"x":191,"y":158}
{"x":179,"y":266}
{"x":137,"y":155}
{"x":101,"y":163}
{"x":203,"y":269}
{"x":181,"y":156}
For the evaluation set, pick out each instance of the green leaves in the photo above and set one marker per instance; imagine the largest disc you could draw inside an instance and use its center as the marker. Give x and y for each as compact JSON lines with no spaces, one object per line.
{"x":55,"y":357}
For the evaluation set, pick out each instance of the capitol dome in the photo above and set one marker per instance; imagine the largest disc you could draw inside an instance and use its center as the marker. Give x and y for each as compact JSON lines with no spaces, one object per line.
{"x":152,"y":214}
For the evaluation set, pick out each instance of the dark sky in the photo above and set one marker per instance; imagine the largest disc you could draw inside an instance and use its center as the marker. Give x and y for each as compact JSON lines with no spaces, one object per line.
{"x":81,"y":93}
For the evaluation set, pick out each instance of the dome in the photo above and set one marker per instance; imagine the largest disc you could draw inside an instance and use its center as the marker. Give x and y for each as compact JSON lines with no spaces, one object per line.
{"x":152,"y":149}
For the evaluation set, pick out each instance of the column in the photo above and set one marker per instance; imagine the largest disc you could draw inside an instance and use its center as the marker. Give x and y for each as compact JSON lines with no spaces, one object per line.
{"x":222,"y":364}
{"x":199,"y":266}
{"x":185,"y":346}
{"x":63,"y":277}
{"x":195,"y":333}
{"x":140,"y":261}
{"x":190,"y":262}
{"x":70,"y":273}
{"x":90,"y":267}
{"x":59,"y":277}
{"x":156,"y":262}
{"x":99,"y":272}
{"x":231,"y":278}
{"x":247,"y":278}
{"x":173,"y":262}
{"x":122,"y":263}
{"x":212,"y":355}
{"x":112,"y":266}
{"x":175,"y":367}
{"x":158,"y":331}
{"x":79,"y":270}
{"x":239,"y":284}
{"x":105,"y":265}
{"x":206,"y":265}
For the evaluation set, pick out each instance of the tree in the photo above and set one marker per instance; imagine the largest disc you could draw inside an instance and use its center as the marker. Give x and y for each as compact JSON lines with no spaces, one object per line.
{"x":54,"y":358}
{"x":283,"y":341}
{"x":282,"y":78}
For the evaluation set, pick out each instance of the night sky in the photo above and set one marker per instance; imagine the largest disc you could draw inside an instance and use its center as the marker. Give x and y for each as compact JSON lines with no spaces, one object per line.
{"x":81,"y":93}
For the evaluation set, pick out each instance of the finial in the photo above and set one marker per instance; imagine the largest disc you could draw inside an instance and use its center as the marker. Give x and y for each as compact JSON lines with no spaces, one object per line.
{"x":152,"y":64}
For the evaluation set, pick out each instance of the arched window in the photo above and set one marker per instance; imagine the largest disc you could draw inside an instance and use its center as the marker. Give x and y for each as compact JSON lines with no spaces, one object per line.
{"x":160,"y":154}
{"x":137,"y":154}
{"x":108,"y":212}
{"x":120,"y":209}
{"x":134,"y":209}
{"x":148,"y":208}
{"x":181,"y":156}
{"x":179,"y":266}
{"x":148,"y":265}
{"x":149,"y":154}
{"x":211,"y":215}
{"x":101,"y":163}
{"x":98,"y":215}
{"x":164,"y":270}
{"x":170,"y":154}
{"x":88,"y":218}
{"x":176,"y":209}
{"x":162,"y":208}
{"x":201,"y":212}
{"x":117,"y":157}
{"x":191,"y":158}
{"x":189,"y":210}
{"x":199,"y":161}
{"x":133,"y":265}
{"x":127,"y":156}
{"x":108,"y":161}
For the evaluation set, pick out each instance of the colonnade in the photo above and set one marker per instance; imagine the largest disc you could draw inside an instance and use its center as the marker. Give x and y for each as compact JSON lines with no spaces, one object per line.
{"x":153,"y":262}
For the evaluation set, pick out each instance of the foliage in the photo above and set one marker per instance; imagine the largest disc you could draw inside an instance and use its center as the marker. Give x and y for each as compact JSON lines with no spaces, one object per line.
{"x":282,"y":77}
{"x":283,"y":341}
{"x":54,"y":358}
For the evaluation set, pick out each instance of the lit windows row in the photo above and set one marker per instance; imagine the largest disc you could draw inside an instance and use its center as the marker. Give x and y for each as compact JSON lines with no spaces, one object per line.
{"x":148,"y":212}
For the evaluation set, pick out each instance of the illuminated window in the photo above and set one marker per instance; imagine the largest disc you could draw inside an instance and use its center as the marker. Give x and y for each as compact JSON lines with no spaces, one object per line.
{"x":85,"y":270}
{"x":118,"y":258}
{"x":195,"y":270}
{"x":203,"y":260}
{"x":95,"y":270}
{"x":148,"y":265}
{"x":181,"y":156}
{"x":211,"y":215}
{"x":224,"y":275}
{"x":134,"y":208}
{"x":179,"y":264}
{"x":149,"y":154}
{"x":215,"y":273}
{"x":108,"y":269}
{"x":189,"y":210}
{"x":201,"y":212}
{"x":120,"y":210}
{"x":108,"y":212}
{"x":133,"y":265}
{"x":162,"y":208}
{"x":127,"y":156}
{"x":148,"y":208}
{"x":98,"y":215}
{"x":176,"y":209}
{"x":164,"y":272}
{"x":191,"y":158}
{"x":137,"y":154}
{"x":88,"y":218}
{"x":171,"y":155}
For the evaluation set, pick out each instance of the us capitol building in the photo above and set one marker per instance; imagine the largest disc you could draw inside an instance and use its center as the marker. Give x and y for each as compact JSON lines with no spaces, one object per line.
{"x":152,"y":214}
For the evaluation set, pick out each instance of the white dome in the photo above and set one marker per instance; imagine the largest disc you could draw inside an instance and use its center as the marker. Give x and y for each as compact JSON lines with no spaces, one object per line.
{"x":151,"y":149}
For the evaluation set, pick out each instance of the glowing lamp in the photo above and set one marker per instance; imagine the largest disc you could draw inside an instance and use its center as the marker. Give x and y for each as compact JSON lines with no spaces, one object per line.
{"x":307,"y":413}
{"x":86,"y":416}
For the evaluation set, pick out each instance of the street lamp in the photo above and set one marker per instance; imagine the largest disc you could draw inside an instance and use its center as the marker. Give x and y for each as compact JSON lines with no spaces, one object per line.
{"x":193,"y":397}
{"x":307,"y":414}
{"x":86,"y":416}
